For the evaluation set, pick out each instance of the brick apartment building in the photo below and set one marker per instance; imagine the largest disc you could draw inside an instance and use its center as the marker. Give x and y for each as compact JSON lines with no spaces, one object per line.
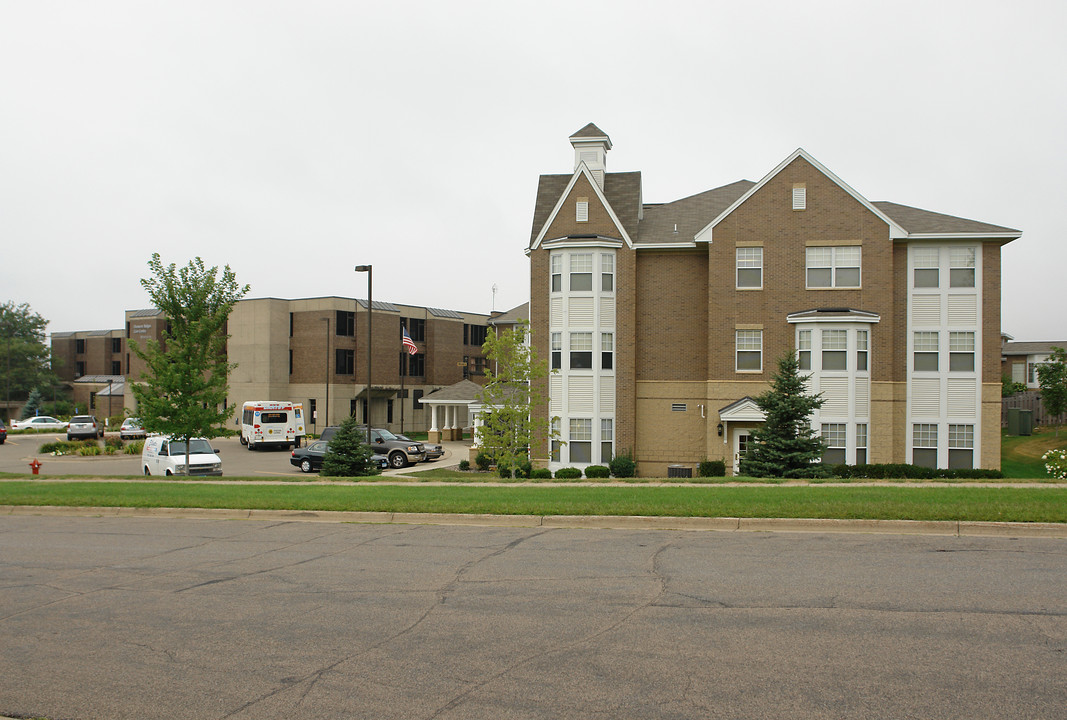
{"x":665,"y":320}
{"x":309,"y":350}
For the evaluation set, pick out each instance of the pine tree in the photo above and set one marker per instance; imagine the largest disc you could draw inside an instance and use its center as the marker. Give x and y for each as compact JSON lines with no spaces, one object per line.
{"x":33,"y":404}
{"x":348,"y":455}
{"x":786,"y":445}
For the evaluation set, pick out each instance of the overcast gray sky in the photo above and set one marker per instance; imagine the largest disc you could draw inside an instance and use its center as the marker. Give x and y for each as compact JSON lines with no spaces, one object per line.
{"x":294,"y":140}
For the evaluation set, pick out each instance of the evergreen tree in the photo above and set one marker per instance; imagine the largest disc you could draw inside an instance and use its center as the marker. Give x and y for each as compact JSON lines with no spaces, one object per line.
{"x":1052,"y":377}
{"x":33,"y":403}
{"x":183,"y":394}
{"x":786,"y":445}
{"x":514,"y":414}
{"x":348,"y":455}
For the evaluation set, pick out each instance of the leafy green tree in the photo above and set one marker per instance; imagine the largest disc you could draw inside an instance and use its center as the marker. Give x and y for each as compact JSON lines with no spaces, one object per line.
{"x":1052,"y":378}
{"x":1009,"y":387}
{"x":185,"y":388}
{"x":514,"y":415}
{"x":348,"y":455}
{"x":25,"y":360}
{"x":786,"y":445}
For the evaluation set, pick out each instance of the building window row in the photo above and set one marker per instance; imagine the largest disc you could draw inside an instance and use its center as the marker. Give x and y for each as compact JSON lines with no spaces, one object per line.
{"x":924,"y":442}
{"x":835,"y":435}
{"x":749,"y":350}
{"x":825,"y":267}
{"x":926,"y":348}
{"x":416,"y":328}
{"x":581,"y":350}
{"x":926,"y":266}
{"x":582,"y":267}
{"x":580,"y":441}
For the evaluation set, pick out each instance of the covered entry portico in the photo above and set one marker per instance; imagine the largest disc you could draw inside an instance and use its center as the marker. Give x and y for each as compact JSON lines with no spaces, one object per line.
{"x":738,"y":420}
{"x":448,"y":410}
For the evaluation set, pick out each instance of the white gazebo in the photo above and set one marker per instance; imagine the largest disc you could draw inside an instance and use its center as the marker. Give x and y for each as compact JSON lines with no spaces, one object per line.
{"x":449,"y":407}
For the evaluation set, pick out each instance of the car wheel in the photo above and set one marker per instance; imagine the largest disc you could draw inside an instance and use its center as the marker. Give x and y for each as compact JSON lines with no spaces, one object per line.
{"x":250,"y":446}
{"x":398,"y":460}
{"x":168,"y":473}
{"x":305,"y":465}
{"x":243,"y":441}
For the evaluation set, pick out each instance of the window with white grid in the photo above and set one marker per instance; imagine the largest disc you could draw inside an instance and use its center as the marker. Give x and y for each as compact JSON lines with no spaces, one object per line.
{"x":556,"y":442}
{"x":606,"y":452}
{"x":925,"y":263}
{"x":607,"y":272}
{"x":835,"y":437}
{"x":925,"y":350}
{"x":749,"y":344}
{"x":924,"y":444}
{"x":833,"y":267}
{"x":579,"y":440}
{"x":861,"y":444}
{"x":861,"y":350}
{"x":581,"y":349}
{"x":556,"y":263}
{"x":607,"y":351}
{"x":804,"y":349}
{"x":961,"y":351}
{"x":960,"y":446}
{"x":581,"y":272}
{"x":556,"y":340}
{"x":834,"y":349}
{"x":961,"y":267}
{"x":750,"y":267}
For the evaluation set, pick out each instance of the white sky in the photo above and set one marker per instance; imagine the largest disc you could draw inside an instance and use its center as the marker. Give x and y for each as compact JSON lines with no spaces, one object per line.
{"x":294,"y":140}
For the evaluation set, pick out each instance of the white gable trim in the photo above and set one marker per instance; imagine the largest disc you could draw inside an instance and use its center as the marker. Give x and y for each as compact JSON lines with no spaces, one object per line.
{"x":744,"y":411}
{"x":896,"y":232}
{"x":583,"y":169}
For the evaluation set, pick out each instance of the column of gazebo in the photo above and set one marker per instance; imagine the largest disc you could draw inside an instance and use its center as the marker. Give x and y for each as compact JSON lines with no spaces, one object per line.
{"x":434,"y":433}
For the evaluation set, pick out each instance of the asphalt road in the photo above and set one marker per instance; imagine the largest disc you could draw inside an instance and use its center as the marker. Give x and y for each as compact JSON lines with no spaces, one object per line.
{"x":19,"y":450}
{"x":166,"y":618}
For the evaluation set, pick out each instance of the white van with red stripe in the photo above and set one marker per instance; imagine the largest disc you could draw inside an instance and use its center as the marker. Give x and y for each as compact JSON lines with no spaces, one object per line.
{"x":271,"y":423}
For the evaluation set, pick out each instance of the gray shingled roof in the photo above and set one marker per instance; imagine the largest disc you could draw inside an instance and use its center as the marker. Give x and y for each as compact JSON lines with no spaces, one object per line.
{"x":463,"y":391}
{"x":522,"y":312}
{"x":590,"y":131}
{"x":691,"y":214}
{"x":915,"y":220}
{"x":1030,"y":348}
{"x":622,"y":190}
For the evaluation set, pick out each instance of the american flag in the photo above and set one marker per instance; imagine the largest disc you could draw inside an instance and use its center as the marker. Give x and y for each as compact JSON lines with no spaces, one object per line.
{"x":409,"y":344}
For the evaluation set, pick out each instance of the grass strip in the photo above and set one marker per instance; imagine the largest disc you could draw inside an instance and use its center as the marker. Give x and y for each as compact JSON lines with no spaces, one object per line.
{"x":1044,"y":504}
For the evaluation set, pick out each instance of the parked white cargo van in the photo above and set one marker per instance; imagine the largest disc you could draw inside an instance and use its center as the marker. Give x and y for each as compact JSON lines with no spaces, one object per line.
{"x":271,"y":423}
{"x":163,"y":456}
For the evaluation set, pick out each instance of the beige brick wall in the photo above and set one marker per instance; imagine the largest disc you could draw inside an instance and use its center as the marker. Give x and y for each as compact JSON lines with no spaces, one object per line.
{"x":671,"y":316}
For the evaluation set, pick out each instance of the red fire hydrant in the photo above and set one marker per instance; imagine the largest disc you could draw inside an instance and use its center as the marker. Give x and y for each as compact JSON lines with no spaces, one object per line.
{"x":35,"y":466}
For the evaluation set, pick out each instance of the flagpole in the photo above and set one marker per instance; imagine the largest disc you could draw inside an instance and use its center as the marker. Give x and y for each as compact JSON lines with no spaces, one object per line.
{"x":403,"y":371}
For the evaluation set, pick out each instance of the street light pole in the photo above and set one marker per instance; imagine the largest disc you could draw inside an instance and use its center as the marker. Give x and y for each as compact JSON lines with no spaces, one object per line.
{"x":327,"y":408}
{"x":370,"y":306}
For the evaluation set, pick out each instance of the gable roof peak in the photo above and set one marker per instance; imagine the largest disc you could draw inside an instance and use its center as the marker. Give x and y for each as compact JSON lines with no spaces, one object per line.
{"x":591,"y":132}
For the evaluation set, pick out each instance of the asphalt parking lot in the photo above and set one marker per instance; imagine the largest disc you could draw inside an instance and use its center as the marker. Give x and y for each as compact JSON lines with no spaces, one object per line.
{"x":19,"y":450}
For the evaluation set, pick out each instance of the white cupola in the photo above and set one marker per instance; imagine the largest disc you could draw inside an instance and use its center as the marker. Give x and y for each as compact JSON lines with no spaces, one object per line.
{"x":591,"y":145}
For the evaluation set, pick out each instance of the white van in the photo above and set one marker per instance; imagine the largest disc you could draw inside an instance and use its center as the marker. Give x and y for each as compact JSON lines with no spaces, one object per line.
{"x":164,"y":456}
{"x":267,"y":423}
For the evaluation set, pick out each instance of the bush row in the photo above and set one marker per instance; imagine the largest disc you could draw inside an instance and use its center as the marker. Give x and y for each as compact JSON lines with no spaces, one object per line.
{"x":112,"y":446}
{"x":621,"y":467}
{"x":916,"y":472}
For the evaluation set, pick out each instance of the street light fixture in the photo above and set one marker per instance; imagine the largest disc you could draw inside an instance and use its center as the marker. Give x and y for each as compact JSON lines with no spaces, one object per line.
{"x":370,"y":304}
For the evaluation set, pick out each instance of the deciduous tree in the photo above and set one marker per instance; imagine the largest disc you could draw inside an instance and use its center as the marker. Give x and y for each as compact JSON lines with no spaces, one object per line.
{"x":25,"y":360}
{"x":786,"y":445}
{"x":186,"y":385}
{"x":1052,"y":378}
{"x":514,"y":414}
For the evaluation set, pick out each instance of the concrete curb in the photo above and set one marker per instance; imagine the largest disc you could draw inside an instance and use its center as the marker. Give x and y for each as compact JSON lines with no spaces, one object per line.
{"x":602,"y":522}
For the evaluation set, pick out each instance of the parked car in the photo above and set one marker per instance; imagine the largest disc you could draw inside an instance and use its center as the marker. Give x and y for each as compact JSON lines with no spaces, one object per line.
{"x":309,"y":459}
{"x":3,"y":433}
{"x":401,"y":452}
{"x":82,"y":427}
{"x":164,"y":456}
{"x":41,"y":422}
{"x":131,"y":429}
{"x":433,"y":451}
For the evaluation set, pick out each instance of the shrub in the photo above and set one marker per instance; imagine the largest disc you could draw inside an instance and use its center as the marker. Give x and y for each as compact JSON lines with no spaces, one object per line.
{"x":464,"y":465}
{"x":597,"y":472}
{"x":60,"y":447}
{"x":115,"y":443}
{"x":541,"y":474}
{"x":87,"y":449}
{"x":900,"y":471}
{"x":348,"y":455}
{"x":522,"y":470}
{"x":1056,"y":463}
{"x":568,"y":474}
{"x":134,"y":448}
{"x":622,"y":466}
{"x":483,"y":461}
{"x":711,"y":468}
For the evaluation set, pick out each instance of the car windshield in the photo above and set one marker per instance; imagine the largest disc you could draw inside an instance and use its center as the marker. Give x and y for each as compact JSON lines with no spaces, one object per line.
{"x":197,"y":446}
{"x":386,"y":435}
{"x":132,"y":423}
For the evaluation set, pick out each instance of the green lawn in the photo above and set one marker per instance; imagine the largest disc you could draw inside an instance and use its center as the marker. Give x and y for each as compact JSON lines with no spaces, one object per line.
{"x":1020,"y":456}
{"x":1044,"y":504}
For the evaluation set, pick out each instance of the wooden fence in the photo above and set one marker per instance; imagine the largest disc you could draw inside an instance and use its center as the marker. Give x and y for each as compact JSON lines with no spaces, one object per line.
{"x":1029,"y":400}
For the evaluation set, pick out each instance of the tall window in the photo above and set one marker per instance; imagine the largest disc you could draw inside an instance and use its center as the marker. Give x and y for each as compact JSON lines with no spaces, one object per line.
{"x":804,"y":349}
{"x":581,"y":272}
{"x":556,"y":442}
{"x":749,"y":267}
{"x":925,"y":348}
{"x":833,"y":267}
{"x":557,"y":350}
{"x":960,"y":446}
{"x":605,"y":440}
{"x":926,"y":262}
{"x":607,"y":272}
{"x":580,"y":440}
{"x":416,"y":328}
{"x":312,"y":411}
{"x":961,"y":351}
{"x":474,"y":334}
{"x":556,"y":264}
{"x":607,"y":347}
{"x":961,"y":267}
{"x":290,"y":324}
{"x":416,"y":365}
{"x":346,"y":323}
{"x":116,"y":367}
{"x":833,"y":434}
{"x":835,"y":349}
{"x":924,"y":445}
{"x":345,"y":361}
{"x":861,"y":444}
{"x":79,"y":346}
{"x":861,"y":350}
{"x":749,"y":344}
{"x":116,"y":345}
{"x":581,"y":350}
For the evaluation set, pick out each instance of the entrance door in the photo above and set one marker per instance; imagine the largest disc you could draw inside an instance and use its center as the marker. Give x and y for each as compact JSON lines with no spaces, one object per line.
{"x":741,"y":438}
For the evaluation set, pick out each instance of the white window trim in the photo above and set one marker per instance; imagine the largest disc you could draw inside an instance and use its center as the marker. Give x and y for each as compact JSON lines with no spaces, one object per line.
{"x":833,"y":268}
